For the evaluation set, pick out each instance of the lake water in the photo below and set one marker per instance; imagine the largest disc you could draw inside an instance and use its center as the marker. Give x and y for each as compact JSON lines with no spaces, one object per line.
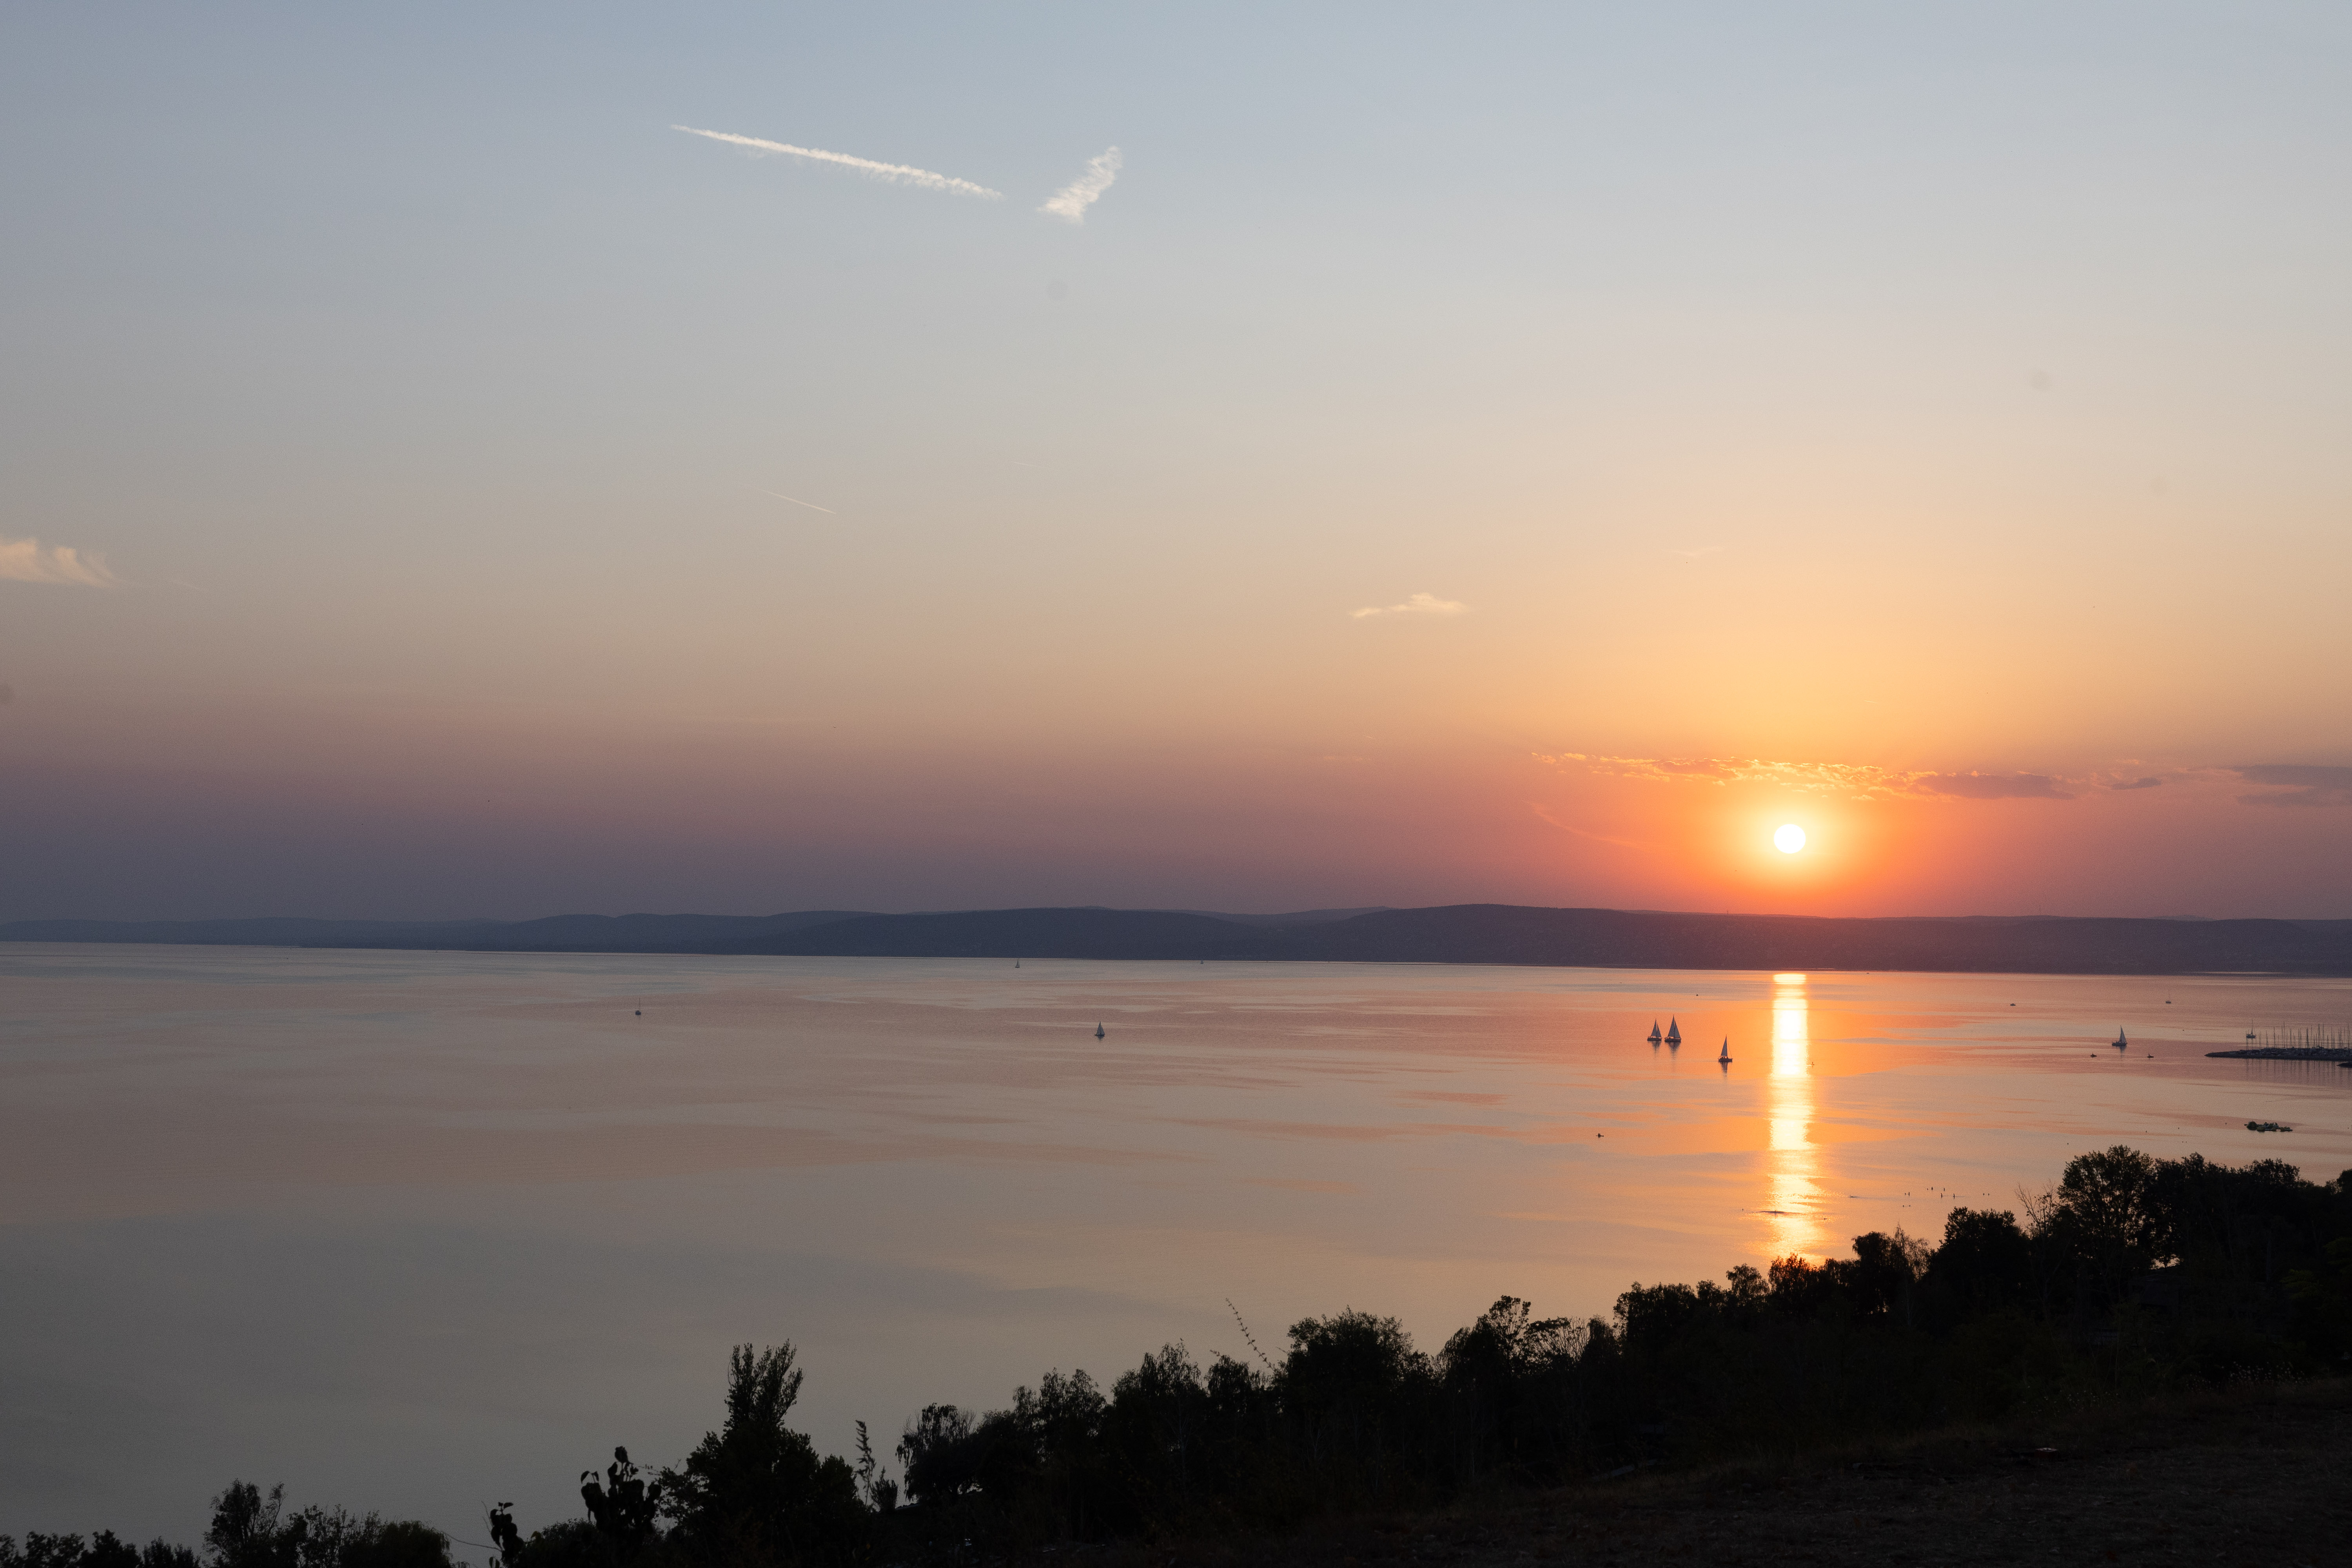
{"x":418,"y":1232}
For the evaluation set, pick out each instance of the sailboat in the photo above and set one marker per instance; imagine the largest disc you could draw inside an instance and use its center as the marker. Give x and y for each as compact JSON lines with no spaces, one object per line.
{"x":1725,"y":1058}
{"x":1674,"y":1031}
{"x":1654,"y":1036}
{"x":2122,"y":1044}
{"x":1098,"y":1031}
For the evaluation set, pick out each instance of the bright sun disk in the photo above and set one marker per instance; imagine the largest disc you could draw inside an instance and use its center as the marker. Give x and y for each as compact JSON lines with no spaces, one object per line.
{"x":1789,"y":839}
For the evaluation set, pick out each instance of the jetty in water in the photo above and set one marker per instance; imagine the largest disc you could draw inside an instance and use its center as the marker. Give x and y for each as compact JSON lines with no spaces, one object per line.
{"x":2323,"y":1043}
{"x":2290,"y":1053}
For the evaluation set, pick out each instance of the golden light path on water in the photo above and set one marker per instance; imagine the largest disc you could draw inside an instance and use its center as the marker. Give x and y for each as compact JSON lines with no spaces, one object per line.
{"x":1793,"y":1170}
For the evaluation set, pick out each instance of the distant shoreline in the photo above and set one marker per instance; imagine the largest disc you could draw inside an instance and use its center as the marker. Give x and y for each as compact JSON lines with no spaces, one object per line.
{"x":1504,"y":934}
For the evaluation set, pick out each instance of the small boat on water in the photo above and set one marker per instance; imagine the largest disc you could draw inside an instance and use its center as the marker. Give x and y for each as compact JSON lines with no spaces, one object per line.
{"x":2122,"y":1044}
{"x":1673,"y":1031}
{"x":1725,"y":1058}
{"x":1098,"y":1031}
{"x":1654,"y":1036}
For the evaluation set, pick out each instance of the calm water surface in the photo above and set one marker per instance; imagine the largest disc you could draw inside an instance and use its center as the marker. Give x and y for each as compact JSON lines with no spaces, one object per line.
{"x":420,"y":1231}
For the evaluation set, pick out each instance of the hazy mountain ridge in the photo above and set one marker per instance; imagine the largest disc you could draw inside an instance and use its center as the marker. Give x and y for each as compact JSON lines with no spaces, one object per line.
{"x":552,"y":933}
{"x":1459,"y":934}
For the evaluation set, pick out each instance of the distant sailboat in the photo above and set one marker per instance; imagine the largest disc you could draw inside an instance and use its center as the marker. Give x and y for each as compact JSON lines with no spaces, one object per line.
{"x":1654,"y":1036}
{"x":1098,"y":1031}
{"x":1674,"y":1031}
{"x":2121,"y":1044}
{"x":1725,"y":1058}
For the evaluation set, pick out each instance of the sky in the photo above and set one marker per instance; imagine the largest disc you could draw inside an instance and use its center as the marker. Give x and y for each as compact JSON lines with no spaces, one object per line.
{"x":484,"y":461}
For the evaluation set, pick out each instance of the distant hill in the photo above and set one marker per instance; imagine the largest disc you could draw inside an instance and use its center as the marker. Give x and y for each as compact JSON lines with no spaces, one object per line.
{"x":556,"y":933}
{"x":1458,"y":933}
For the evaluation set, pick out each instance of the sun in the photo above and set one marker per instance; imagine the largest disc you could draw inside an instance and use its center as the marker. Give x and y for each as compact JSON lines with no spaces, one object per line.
{"x":1788,"y":840}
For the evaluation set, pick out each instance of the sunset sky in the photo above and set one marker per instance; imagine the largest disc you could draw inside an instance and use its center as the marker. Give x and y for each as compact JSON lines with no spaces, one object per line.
{"x":1441,"y":453}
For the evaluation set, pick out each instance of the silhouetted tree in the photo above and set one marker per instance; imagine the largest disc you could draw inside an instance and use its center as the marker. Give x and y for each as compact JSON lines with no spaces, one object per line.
{"x":624,"y":1507}
{"x":250,"y":1530}
{"x":1985,"y":1265}
{"x":932,"y":1452}
{"x":755,"y":1492}
{"x":880,"y":1492}
{"x":505,"y":1536}
{"x":2108,"y":1224}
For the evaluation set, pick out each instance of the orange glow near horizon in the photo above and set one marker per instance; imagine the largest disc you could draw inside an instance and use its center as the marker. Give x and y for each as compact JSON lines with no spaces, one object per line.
{"x":1833,"y":851}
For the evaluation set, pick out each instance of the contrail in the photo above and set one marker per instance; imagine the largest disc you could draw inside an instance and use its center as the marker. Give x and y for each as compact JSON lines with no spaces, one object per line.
{"x":797,"y":502}
{"x":897,"y":174}
{"x":1072,"y":200}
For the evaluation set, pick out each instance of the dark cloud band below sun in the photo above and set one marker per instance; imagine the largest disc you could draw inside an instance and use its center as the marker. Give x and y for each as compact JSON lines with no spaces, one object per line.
{"x":1992,"y":786}
{"x":2297,"y":784}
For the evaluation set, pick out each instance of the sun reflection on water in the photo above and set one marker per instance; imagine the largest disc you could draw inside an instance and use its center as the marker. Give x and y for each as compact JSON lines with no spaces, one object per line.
{"x":1793,"y":1166}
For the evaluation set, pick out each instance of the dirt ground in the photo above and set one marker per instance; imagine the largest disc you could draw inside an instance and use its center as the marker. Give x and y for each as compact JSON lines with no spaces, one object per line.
{"x":2258,"y":1476}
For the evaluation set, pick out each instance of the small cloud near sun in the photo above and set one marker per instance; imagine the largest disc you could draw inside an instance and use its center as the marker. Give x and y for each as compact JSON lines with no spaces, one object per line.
{"x":1419,"y":604}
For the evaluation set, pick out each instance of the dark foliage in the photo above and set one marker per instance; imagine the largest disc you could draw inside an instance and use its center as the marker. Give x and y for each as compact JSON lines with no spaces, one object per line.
{"x":251,"y":1531}
{"x":755,"y":1491}
{"x":624,"y":1507}
{"x":100,"y":1551}
{"x":2130,"y":1275}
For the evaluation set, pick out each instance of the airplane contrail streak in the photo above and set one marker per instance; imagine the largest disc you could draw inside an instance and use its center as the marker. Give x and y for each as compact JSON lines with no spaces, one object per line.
{"x":797,"y":502}
{"x":895,"y":174}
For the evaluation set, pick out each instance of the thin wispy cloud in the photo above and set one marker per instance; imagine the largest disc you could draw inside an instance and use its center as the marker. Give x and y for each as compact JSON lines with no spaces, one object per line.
{"x":1858,"y":781}
{"x":797,"y":502}
{"x":1701,"y":552}
{"x":1419,"y":604}
{"x":1071,"y":202}
{"x":892,"y":173}
{"x":1545,"y":814}
{"x":31,"y":561}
